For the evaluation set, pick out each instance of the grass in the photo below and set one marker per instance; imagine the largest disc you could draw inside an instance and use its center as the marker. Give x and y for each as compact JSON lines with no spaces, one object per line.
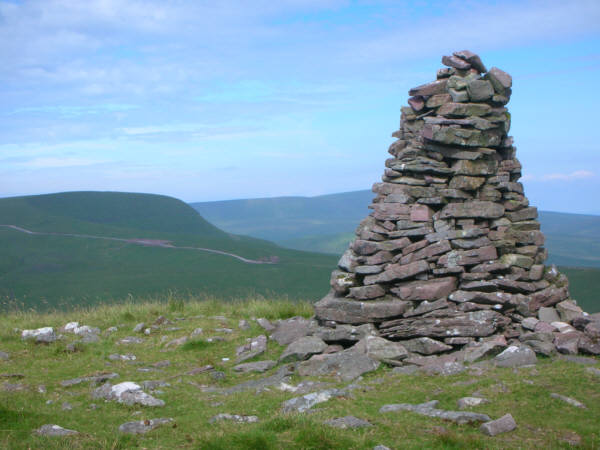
{"x":543,"y":422}
{"x":49,"y":271}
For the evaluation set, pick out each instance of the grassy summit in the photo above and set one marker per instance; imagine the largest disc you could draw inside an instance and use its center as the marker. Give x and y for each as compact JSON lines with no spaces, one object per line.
{"x":32,"y":393}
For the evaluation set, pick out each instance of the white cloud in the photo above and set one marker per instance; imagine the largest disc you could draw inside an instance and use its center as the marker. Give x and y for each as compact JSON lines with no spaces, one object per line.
{"x":483,"y":25}
{"x":573,"y":176}
{"x":57,"y":162}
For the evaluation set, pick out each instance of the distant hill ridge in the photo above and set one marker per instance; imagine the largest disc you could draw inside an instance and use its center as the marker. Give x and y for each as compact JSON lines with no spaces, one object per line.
{"x":68,"y":266}
{"x":326,"y":223}
{"x":107,"y":212}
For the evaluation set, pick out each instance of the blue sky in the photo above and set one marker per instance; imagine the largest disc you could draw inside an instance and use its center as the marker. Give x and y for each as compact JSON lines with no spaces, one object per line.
{"x":234,"y":99}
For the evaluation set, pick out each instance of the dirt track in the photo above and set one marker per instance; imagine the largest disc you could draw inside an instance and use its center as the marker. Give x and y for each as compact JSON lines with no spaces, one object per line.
{"x":139,"y":241}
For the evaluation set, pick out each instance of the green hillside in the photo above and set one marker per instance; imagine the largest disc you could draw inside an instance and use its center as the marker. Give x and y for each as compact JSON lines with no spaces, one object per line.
{"x":282,"y":218}
{"x":48,"y":270}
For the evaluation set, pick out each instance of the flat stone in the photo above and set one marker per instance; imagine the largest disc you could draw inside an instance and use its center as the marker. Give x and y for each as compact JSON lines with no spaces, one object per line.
{"x":303,"y":348}
{"x":472,"y":58}
{"x":548,"y":315}
{"x":464,"y":109}
{"x":504,"y":424}
{"x":177,"y":342}
{"x":542,"y":348}
{"x":381,"y":349}
{"x":589,"y":345}
{"x":435,"y":288}
{"x":451,"y":324}
{"x":253,"y":347}
{"x":128,"y":393}
{"x":470,"y":402}
{"x":484,"y":349}
{"x":437,"y":248}
{"x":453,"y":61}
{"x":265,"y":324}
{"x":529,"y":323}
{"x":4,"y":356}
{"x":354,"y":312}
{"x":516,"y":356}
{"x":262,"y":383}
{"x":344,"y":333}
{"x":237,"y":418}
{"x":425,"y":346}
{"x":417,"y":103}
{"x":425,"y":307}
{"x":289,"y":330}
{"x":348,"y":422}
{"x":443,"y":368}
{"x":54,"y":430}
{"x":143,"y":426}
{"x":257,"y":366}
{"x":345,"y":365}
{"x":429,"y":409}
{"x":467,"y":183}
{"x":486,"y":298}
{"x":305,"y":402}
{"x":567,"y":343}
{"x":438,"y":100}
{"x":456,"y":258}
{"x":501,"y":81}
{"x":44,"y":335}
{"x":568,"y":310}
{"x":101,"y":378}
{"x":406,"y":370}
{"x":366,"y":292}
{"x":396,"y":272}
{"x":568,"y":400}
{"x":130,"y":340}
{"x":433,"y":88}
{"x":475,"y":168}
{"x":480,"y":90}
{"x":475,"y":209}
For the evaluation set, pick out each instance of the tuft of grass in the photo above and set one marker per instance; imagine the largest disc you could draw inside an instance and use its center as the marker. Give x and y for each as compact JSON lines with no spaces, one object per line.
{"x":196,"y":345}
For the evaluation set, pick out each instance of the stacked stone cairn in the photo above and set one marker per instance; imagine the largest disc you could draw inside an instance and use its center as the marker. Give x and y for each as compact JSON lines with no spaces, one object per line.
{"x":452,"y":254}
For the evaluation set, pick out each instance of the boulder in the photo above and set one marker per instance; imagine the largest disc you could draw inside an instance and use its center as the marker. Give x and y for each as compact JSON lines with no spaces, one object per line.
{"x":289,"y":330}
{"x":303,"y":348}
{"x":516,"y":356}
{"x":504,"y":424}
{"x":353,"y":312}
{"x":345,"y":365}
{"x":381,"y":349}
{"x":254,"y":347}
{"x":425,"y":346}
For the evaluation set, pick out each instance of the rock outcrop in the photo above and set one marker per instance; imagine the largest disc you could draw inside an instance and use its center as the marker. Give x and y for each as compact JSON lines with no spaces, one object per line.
{"x":452,"y":250}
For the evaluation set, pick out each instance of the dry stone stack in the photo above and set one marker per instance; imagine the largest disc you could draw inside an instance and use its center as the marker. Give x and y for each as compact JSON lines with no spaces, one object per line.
{"x":452,"y":250}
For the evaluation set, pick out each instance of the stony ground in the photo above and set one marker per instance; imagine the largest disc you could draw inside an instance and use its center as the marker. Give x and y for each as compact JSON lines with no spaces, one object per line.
{"x":198,"y":375}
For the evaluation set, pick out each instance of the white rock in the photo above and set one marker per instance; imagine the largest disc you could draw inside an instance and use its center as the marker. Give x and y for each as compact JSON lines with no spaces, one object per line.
{"x":71,"y":326}
{"x":118,"y":389}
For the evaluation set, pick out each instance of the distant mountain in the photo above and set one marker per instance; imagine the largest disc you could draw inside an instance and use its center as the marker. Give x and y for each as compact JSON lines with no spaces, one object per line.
{"x":80,"y":248}
{"x":326,"y":223}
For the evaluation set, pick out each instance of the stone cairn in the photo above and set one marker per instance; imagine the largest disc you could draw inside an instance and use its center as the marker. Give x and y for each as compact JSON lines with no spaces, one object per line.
{"x":452,"y":253}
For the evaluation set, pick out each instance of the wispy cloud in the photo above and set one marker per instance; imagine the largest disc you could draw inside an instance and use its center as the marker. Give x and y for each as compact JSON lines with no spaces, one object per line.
{"x":573,"y":176}
{"x":74,"y":111}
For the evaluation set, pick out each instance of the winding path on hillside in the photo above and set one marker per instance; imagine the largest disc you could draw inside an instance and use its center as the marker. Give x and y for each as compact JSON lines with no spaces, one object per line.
{"x":144,"y":242}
